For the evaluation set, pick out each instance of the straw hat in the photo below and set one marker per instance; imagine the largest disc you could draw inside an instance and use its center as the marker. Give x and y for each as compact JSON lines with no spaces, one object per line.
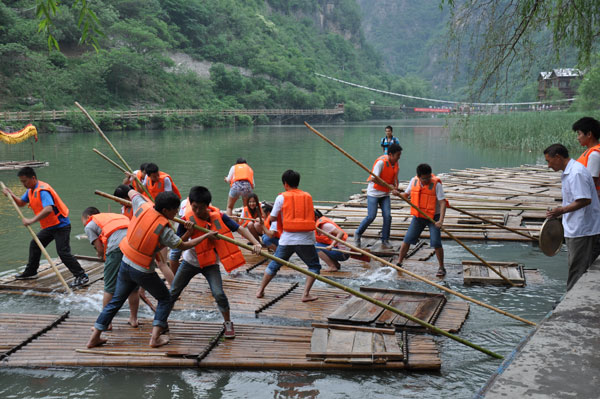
{"x":551,"y":236}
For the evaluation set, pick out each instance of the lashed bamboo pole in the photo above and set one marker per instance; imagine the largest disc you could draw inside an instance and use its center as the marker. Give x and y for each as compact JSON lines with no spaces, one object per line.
{"x":114,"y":149}
{"x":423,"y":279}
{"x":113,"y":163}
{"x":386,"y":184}
{"x":329,"y":282}
{"x":39,"y":244}
{"x":492,"y":222}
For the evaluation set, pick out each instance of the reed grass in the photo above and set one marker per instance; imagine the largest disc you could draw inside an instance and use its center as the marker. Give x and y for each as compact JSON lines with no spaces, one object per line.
{"x":521,"y":130}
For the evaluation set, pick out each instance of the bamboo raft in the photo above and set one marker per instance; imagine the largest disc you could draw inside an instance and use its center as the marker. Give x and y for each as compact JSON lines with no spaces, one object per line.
{"x":14,"y":165}
{"x":199,"y":344}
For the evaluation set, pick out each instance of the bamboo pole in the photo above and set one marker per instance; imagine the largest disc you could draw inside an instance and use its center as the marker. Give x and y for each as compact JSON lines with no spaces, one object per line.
{"x":384,"y":183}
{"x":329,"y":282}
{"x":113,"y":163}
{"x":39,"y":244}
{"x":114,"y":149}
{"x":423,"y":279}
{"x":492,"y":222}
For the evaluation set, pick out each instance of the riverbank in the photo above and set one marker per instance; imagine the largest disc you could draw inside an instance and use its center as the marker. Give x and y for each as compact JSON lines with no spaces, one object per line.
{"x":560,"y":358}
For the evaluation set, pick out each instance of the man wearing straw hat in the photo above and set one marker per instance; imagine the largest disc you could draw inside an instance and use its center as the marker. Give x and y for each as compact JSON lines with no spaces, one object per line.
{"x":580,"y":210}
{"x":53,"y":216}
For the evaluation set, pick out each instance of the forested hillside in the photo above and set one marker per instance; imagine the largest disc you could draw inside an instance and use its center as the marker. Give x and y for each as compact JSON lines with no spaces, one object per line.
{"x":278,"y":43}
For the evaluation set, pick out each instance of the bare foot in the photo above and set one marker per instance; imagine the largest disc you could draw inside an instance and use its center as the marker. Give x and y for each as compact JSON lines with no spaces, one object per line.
{"x":160,"y":341}
{"x":331,"y":270}
{"x":95,"y":339}
{"x":260,"y":294}
{"x":133,"y":323}
{"x":309,"y":298}
{"x":108,"y":329}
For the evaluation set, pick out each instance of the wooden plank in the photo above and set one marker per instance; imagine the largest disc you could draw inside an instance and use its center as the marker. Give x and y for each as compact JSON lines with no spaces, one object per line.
{"x":363,"y":343}
{"x":340,"y":341}
{"x":354,"y":328}
{"x":318,"y":341}
{"x":347,"y":310}
{"x":391,"y":345}
{"x":369,"y":313}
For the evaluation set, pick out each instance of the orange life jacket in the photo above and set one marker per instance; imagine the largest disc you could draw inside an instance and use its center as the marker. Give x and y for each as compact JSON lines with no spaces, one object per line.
{"x":142,"y":235}
{"x":35,"y":203}
{"x":267,"y":220}
{"x":127,"y":211}
{"x":247,"y":214}
{"x":136,"y":186}
{"x":297,"y":212}
{"x":156,"y":188}
{"x":424,"y":197}
{"x":323,"y":239}
{"x":230,"y":255}
{"x":242,"y":171}
{"x":388,"y":173}
{"x":583,"y":159}
{"x":108,"y":223}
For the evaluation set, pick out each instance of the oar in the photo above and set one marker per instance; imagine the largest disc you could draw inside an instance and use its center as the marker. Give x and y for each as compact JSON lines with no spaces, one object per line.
{"x":423,"y":279}
{"x":37,"y":241}
{"x":384,"y":183}
{"x":339,"y":250}
{"x":492,"y":222}
{"x":329,"y":282}
{"x":114,"y":149}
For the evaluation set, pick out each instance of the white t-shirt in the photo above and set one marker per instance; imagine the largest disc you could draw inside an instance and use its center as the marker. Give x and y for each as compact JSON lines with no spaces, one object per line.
{"x":94,"y":231}
{"x":577,"y":183}
{"x":289,"y":237}
{"x":230,"y":176}
{"x":371,"y":190}
{"x":594,"y":164}
{"x":439,"y":192}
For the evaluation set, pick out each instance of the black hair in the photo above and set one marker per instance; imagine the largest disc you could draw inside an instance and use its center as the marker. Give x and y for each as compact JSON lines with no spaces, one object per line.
{"x":394,"y":148}
{"x":240,"y":160}
{"x":292,"y":178}
{"x":122,"y":191}
{"x":318,"y":214}
{"x":267,"y":207}
{"x":151,"y":168}
{"x":166,"y":200}
{"x":588,"y":124}
{"x":389,"y":127}
{"x":90,"y":211}
{"x":200,"y":195}
{"x":27,"y":172}
{"x":143,"y":167}
{"x":256,"y":211}
{"x":423,"y":169}
{"x":557,"y":149}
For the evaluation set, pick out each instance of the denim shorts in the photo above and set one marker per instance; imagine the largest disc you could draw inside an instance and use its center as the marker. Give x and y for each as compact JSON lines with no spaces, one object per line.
{"x":417,"y":225}
{"x":335,"y":255}
{"x":241,"y":188}
{"x":268,"y":241}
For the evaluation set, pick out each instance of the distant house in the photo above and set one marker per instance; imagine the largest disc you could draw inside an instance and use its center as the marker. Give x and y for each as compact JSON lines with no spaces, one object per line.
{"x":562,"y":78}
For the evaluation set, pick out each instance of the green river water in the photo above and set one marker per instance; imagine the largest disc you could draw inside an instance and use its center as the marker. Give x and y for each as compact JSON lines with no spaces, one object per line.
{"x":203,"y":157}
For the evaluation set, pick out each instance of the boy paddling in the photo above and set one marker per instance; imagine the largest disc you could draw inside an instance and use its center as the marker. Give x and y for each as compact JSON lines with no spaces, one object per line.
{"x":53,"y":215}
{"x":147,"y":233}
{"x":205,"y":257}
{"x":294,"y":212}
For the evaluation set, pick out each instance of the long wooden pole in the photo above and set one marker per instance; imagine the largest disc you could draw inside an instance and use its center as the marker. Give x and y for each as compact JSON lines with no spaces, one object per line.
{"x":37,"y":241}
{"x":329,"y":282}
{"x":384,"y":183}
{"x":114,"y":149}
{"x":492,"y":222}
{"x":423,"y":279}
{"x":113,"y":163}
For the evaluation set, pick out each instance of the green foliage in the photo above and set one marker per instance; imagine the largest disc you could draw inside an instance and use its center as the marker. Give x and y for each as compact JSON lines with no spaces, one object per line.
{"x":588,"y":93}
{"x":244,"y":120}
{"x":356,"y":112}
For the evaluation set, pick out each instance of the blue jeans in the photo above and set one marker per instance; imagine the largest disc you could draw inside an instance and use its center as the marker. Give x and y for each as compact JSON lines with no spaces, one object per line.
{"x":211,"y":273}
{"x":385,"y":204}
{"x":307,"y":253}
{"x":270,"y":241}
{"x":128,"y":280}
{"x":417,"y":225}
{"x":335,"y":255}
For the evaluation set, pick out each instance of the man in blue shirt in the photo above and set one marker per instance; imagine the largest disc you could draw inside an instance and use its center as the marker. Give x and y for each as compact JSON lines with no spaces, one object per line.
{"x":53,"y":216}
{"x":388,"y":140}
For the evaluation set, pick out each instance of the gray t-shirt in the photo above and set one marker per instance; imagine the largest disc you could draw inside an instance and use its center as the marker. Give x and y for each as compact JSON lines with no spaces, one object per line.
{"x":93,"y":231}
{"x":167,"y":237}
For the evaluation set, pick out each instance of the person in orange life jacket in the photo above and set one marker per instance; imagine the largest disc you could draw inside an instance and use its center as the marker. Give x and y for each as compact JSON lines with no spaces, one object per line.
{"x":157,"y":181}
{"x":122,"y":191}
{"x":141,"y":175}
{"x":386,"y":167}
{"x":105,"y":232}
{"x":294,"y":212}
{"x":241,"y":181}
{"x":270,"y":237}
{"x":588,"y":135}
{"x":426,"y":192}
{"x":388,"y":140}
{"x":148,"y":231}
{"x":53,"y":216}
{"x":253,"y":211}
{"x":326,"y":246}
{"x":205,"y":257}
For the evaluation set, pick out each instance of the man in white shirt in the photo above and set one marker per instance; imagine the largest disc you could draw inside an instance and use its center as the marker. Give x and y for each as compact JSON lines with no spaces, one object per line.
{"x":580,"y":211}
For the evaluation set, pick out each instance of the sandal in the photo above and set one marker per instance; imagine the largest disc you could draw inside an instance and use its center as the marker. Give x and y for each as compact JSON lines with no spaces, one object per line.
{"x":441,"y":272}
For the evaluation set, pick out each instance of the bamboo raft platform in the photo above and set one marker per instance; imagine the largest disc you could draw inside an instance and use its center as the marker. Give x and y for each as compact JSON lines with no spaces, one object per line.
{"x":200,"y":344}
{"x":14,"y":165}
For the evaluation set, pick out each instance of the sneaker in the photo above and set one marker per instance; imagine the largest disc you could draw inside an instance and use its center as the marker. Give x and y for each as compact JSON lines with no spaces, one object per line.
{"x":26,"y":275}
{"x":357,"y":238}
{"x":80,"y":280}
{"x":229,"y":331}
{"x":386,"y":245}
